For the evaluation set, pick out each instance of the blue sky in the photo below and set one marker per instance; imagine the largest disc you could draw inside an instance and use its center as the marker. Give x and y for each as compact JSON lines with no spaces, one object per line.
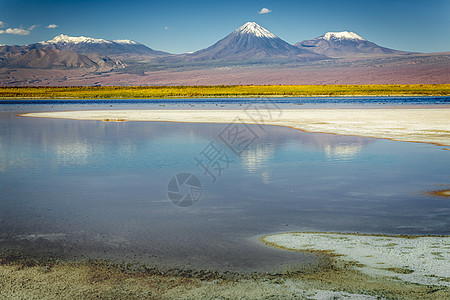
{"x":182,"y":26}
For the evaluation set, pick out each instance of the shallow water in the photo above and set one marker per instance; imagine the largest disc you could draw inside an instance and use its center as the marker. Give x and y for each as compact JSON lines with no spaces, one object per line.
{"x":99,"y":189}
{"x":239,"y":103}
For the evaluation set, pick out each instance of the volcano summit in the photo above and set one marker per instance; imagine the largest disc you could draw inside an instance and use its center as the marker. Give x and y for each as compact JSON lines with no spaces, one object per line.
{"x":252,"y":42}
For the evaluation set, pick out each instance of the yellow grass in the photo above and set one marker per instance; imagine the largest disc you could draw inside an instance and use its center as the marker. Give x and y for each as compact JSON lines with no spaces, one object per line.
{"x":149,"y":92}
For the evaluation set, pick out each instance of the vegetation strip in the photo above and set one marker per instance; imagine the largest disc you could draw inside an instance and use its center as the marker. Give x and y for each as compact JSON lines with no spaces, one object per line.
{"x":150,"y":92}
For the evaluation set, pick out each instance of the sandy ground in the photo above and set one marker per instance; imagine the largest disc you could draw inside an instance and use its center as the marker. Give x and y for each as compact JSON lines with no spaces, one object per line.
{"x":25,"y":278}
{"x":431,"y":68}
{"x":421,"y":260}
{"x":425,"y":125}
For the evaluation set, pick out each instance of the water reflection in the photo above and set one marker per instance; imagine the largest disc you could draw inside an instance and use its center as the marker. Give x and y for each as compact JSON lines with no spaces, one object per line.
{"x":99,"y":189}
{"x":342,"y":152}
{"x":255,"y":158}
{"x":81,"y":143}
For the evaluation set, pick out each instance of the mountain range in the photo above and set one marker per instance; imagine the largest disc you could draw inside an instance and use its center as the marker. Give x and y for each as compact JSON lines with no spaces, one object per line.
{"x":35,"y":58}
{"x":345,"y":44}
{"x":87,"y":45}
{"x":249,"y":43}
{"x":250,"y":54}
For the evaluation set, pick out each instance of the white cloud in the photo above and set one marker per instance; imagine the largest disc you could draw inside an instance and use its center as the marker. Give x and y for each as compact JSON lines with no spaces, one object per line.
{"x":18,"y":31}
{"x":51,"y":26}
{"x":166,"y":28}
{"x":264,"y":11}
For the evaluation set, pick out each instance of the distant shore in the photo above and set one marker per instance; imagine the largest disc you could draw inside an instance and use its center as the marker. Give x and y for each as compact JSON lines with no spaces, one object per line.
{"x":222,"y":91}
{"x":424,"y":125}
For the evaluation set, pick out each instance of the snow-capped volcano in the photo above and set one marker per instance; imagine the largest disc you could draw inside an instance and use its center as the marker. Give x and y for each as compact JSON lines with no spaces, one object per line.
{"x":252,"y":42}
{"x":88,"y":45}
{"x":256,"y":30}
{"x":345,"y":44}
{"x":126,"y":42}
{"x":343,"y":35}
{"x":65,"y":39}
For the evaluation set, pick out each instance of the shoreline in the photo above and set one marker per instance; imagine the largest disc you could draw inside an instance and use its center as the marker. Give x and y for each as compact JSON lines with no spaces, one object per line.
{"x":336,"y":277}
{"x":421,"y":260}
{"x":421,"y":125}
